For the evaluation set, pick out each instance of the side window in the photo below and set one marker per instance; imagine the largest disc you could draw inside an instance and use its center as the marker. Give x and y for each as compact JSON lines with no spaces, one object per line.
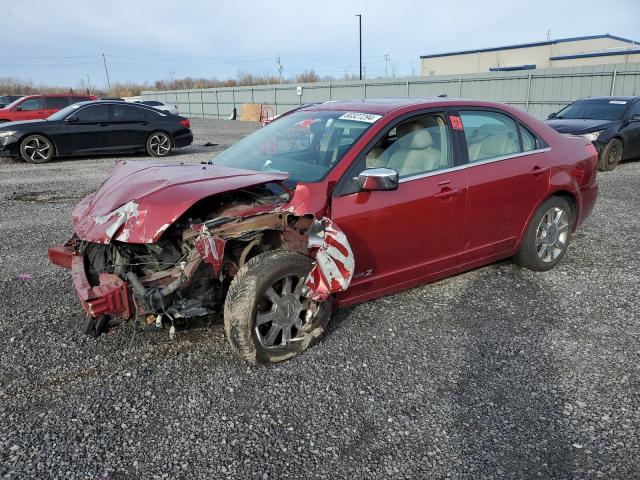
{"x":416,"y":146}
{"x":635,"y":110}
{"x":32,"y":104}
{"x":489,"y":135}
{"x":127,"y":113}
{"x":93,"y":114}
{"x":150,"y":115}
{"x":529,"y":142}
{"x":56,"y":103}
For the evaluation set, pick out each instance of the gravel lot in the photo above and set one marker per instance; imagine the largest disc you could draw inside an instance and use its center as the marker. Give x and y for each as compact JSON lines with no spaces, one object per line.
{"x":495,"y":373}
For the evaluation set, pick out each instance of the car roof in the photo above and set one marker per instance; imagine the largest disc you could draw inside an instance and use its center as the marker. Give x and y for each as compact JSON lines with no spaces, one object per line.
{"x":619,"y":98}
{"x":383,"y":106}
{"x":57,"y":95}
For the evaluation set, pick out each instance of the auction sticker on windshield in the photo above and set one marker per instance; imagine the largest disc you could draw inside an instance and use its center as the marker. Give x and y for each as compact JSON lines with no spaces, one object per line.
{"x":361,"y":117}
{"x":618,"y":102}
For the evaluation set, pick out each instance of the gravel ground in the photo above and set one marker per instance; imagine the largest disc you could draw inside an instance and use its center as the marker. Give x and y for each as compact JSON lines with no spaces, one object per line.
{"x":495,"y":373}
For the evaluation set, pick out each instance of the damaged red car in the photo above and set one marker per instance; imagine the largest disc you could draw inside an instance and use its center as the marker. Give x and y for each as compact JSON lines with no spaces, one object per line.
{"x":333,"y":204}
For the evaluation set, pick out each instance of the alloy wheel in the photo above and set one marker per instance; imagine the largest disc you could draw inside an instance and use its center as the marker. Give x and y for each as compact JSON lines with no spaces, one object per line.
{"x":160,"y":144}
{"x":283,"y":313}
{"x":37,"y":149}
{"x":614,"y":154}
{"x":552,"y":233}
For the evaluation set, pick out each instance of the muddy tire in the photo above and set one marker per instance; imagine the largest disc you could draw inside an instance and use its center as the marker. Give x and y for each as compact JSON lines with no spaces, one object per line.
{"x":547,"y":236}
{"x":610,"y":155}
{"x":267,"y":319}
{"x":159,"y":144}
{"x":36,"y":149}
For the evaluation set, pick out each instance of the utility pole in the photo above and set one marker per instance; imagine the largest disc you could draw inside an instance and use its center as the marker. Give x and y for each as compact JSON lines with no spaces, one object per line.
{"x":386,"y":64}
{"x":360,"y":33}
{"x":104,"y":59}
{"x":88,"y":85}
{"x":280,"y":68}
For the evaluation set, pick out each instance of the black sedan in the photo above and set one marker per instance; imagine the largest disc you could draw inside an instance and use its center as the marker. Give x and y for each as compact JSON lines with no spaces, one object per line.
{"x":95,"y":127}
{"x":611,"y":123}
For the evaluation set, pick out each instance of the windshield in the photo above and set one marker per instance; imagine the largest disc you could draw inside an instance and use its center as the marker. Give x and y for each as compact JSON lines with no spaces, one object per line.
{"x":594,"y":110}
{"x":13,"y":102}
{"x":305,"y":144}
{"x":65,"y":112}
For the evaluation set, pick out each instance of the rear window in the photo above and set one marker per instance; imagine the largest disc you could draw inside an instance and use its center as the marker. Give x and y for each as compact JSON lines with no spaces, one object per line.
{"x":56,"y":103}
{"x":127,"y":113}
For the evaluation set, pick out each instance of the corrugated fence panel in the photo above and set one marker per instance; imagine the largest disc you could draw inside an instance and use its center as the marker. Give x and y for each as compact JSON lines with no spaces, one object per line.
{"x":539,"y":92}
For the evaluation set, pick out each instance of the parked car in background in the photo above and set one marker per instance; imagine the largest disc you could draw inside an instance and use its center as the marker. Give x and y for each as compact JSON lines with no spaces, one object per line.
{"x":160,"y":106}
{"x":7,"y":99}
{"x":35,"y":107}
{"x":95,"y":127}
{"x":611,"y":123}
{"x":332,"y":204}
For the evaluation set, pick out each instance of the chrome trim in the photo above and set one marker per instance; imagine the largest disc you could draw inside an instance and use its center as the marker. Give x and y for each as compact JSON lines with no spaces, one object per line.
{"x":473,"y":164}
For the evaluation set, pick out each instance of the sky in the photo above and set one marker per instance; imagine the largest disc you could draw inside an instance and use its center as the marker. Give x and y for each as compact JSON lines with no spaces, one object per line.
{"x":61,"y":42}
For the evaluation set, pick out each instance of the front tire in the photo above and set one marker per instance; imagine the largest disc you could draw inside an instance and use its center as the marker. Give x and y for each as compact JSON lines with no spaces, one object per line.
{"x":159,"y":144}
{"x":547,"y":236}
{"x":610,"y":155}
{"x":267,"y":317}
{"x":36,"y":149}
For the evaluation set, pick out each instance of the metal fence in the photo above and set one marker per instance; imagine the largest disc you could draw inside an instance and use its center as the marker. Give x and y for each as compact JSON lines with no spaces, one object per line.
{"x":538,"y":92}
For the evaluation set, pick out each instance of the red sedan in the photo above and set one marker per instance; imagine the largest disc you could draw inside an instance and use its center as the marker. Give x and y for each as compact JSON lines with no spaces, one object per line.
{"x":333,"y":204}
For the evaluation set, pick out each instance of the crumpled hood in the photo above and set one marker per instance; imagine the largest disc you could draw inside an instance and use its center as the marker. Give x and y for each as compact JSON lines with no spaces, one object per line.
{"x":579,"y":126}
{"x":141,"y":199}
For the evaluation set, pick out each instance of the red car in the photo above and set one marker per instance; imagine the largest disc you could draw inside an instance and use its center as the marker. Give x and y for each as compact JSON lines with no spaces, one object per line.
{"x":38,"y":107}
{"x":333,"y":204}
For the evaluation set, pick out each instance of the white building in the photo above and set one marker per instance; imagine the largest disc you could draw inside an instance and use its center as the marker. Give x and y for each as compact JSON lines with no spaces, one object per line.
{"x":563,"y":52}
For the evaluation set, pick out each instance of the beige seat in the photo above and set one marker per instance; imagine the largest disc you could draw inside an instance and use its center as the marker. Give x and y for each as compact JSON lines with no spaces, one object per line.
{"x":412,"y":153}
{"x":495,"y":145}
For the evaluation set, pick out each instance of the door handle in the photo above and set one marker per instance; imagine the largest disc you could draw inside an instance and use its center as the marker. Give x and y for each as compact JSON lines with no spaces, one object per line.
{"x":448,"y":193}
{"x":538,"y":171}
{"x":104,"y":124}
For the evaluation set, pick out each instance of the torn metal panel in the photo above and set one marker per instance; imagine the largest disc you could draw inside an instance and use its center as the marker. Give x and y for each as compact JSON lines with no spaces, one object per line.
{"x":210,"y":247}
{"x":334,"y":262}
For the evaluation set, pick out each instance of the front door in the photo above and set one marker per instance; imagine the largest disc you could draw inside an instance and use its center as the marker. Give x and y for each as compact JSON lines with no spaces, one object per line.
{"x":399,"y":237}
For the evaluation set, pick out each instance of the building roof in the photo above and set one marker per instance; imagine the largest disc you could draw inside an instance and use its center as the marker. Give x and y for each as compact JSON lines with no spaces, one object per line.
{"x":533,"y":44}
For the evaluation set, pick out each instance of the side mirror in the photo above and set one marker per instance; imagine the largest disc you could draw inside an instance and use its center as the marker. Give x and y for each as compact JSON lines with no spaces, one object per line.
{"x":18,"y":108}
{"x":552,"y":115}
{"x":374,"y":179}
{"x":72,"y":119}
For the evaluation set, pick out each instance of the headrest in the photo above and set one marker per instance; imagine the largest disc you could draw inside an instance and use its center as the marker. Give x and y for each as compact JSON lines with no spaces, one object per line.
{"x":498,"y":144}
{"x":414,"y":136}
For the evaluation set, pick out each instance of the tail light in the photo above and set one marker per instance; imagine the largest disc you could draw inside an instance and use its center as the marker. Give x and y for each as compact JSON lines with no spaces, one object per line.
{"x":185,"y":123}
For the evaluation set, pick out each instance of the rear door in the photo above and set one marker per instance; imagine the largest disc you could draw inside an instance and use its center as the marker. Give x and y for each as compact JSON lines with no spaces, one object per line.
{"x":128,"y":126}
{"x":507,"y":176}
{"x":414,"y":232}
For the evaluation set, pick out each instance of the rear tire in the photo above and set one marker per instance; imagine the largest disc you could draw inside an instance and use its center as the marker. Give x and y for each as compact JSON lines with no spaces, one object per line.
{"x":159,"y":144}
{"x":36,"y":149}
{"x":547,"y":236}
{"x":610,"y":155}
{"x":267,"y":318}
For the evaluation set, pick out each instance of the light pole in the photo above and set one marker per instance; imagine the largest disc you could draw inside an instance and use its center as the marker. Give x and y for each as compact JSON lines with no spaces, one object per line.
{"x":360,"y":33}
